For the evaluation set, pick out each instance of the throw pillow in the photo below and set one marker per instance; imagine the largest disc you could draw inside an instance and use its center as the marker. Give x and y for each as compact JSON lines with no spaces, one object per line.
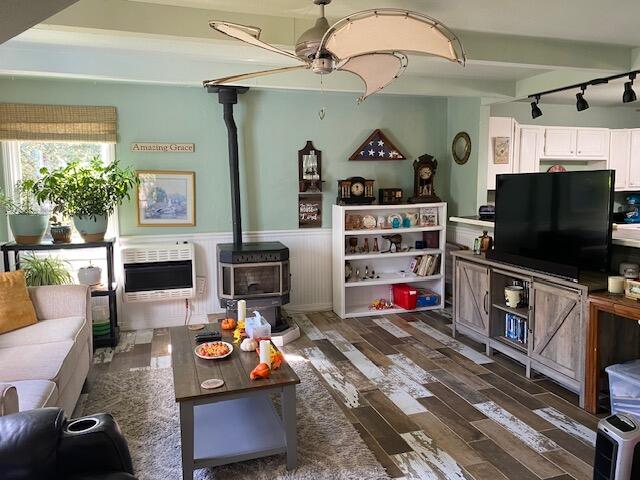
{"x":16,"y":309}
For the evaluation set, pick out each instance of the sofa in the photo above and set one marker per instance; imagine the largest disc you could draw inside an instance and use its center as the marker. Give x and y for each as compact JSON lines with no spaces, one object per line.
{"x":46,"y":364}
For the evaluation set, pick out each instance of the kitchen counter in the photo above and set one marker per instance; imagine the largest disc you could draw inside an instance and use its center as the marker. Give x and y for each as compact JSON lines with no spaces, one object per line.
{"x":625,"y":235}
{"x":474,"y":220}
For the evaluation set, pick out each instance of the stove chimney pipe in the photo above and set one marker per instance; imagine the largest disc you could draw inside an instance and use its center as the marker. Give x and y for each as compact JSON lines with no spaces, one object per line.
{"x":228,"y":96}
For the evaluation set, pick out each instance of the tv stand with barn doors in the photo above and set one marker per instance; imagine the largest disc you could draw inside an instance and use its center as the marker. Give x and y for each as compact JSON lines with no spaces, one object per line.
{"x":546,"y":332}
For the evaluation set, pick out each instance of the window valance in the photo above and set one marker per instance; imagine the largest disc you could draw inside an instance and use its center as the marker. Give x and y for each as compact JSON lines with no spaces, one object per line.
{"x":23,"y":121}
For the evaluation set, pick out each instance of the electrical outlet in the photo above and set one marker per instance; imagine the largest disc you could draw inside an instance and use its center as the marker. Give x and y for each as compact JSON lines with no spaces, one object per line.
{"x":201,"y":285}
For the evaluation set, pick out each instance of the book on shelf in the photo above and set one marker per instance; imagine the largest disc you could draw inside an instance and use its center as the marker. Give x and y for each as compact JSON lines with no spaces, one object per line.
{"x":425,"y":265}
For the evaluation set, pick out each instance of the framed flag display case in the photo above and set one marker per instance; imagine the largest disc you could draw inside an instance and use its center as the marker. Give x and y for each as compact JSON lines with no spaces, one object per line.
{"x":377,"y":147}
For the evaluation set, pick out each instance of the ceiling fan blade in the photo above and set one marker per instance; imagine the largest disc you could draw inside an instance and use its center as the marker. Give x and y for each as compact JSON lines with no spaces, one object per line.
{"x":249,"y":35}
{"x":376,"y":70}
{"x":245,"y":76}
{"x":391,"y":30}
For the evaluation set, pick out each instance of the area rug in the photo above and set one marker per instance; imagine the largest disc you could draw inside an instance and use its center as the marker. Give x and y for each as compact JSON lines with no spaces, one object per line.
{"x":142,"y":402}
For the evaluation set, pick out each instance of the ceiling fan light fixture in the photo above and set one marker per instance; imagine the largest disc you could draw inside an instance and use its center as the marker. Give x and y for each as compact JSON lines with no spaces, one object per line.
{"x":369,"y":44}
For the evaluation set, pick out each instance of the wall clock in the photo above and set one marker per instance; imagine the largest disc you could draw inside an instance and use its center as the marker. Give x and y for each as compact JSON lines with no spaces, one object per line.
{"x":424,"y":172}
{"x":355,"y":191}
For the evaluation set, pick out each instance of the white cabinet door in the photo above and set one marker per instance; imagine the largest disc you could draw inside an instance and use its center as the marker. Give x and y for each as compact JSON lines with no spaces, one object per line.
{"x":559,"y":142}
{"x":619,"y":154}
{"x":500,"y":128}
{"x":530,"y":139}
{"x":634,"y":159}
{"x":592,"y":143}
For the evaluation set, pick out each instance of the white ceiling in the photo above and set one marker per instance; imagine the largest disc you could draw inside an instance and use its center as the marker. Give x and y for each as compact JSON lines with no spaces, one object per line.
{"x":582,"y":20}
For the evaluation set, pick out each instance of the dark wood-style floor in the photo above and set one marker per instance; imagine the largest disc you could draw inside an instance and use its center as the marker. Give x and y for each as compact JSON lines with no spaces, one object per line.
{"x":428,"y":406}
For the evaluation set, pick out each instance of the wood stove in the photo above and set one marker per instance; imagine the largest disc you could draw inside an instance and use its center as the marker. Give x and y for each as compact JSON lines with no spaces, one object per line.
{"x":256,"y":272}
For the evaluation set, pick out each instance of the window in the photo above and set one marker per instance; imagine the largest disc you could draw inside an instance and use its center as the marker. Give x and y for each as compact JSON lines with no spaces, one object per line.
{"x":24,"y":159}
{"x":35,"y":155}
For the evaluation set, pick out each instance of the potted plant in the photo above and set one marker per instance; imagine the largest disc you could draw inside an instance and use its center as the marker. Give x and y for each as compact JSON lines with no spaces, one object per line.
{"x":60,"y":232}
{"x":87,"y":193}
{"x":48,"y":270}
{"x":26,"y":218}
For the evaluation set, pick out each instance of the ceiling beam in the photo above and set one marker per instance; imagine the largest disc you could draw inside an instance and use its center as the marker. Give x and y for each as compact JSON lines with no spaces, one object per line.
{"x":16,"y":16}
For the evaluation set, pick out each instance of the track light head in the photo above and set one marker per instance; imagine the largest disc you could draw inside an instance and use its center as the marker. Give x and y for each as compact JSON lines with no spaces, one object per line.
{"x":581,"y":103}
{"x":629,"y":95}
{"x":535,"y":109}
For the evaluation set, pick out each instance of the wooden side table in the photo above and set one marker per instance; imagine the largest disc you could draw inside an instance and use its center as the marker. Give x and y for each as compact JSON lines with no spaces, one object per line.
{"x":602,"y":302}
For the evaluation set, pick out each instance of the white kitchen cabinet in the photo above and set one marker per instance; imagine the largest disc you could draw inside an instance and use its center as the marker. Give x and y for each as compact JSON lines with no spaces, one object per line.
{"x":530,"y":143}
{"x":559,"y":142}
{"x":592,"y":143}
{"x":500,"y":127}
{"x":619,"y":155}
{"x":634,"y":160}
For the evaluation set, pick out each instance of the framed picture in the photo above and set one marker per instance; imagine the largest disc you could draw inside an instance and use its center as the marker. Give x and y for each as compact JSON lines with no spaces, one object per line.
{"x":501,"y":150}
{"x":428,"y":216}
{"x":310,"y":211}
{"x":166,"y":198}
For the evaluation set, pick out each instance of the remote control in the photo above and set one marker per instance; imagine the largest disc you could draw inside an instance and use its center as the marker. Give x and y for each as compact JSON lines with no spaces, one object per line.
{"x":208,"y":337}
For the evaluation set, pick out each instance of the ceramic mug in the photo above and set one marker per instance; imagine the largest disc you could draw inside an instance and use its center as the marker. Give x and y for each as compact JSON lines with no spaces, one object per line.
{"x":513,"y":295}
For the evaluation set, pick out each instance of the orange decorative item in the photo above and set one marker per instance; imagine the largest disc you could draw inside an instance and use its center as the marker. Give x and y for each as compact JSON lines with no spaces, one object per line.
{"x":228,"y":324}
{"x":261,"y":371}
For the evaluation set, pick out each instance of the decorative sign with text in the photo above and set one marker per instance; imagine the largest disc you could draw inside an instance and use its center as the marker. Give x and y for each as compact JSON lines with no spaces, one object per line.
{"x":310,"y":211}
{"x":155,"y":147}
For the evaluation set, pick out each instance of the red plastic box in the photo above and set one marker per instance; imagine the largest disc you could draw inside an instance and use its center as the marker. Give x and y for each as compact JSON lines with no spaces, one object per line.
{"x":405,"y":296}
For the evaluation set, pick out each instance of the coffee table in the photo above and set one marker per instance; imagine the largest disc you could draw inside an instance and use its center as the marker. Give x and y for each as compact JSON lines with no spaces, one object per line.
{"x":237,"y":421}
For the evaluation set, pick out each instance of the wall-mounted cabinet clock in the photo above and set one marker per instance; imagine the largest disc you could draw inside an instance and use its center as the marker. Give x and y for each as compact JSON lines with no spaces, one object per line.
{"x":355,"y":191}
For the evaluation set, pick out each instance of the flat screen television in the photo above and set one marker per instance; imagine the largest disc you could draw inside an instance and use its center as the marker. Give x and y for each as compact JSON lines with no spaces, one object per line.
{"x":559,"y":223}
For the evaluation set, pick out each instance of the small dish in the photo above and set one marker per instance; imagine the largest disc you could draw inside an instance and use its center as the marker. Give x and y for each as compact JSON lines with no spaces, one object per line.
{"x":200,"y":347}
{"x":369,"y":222}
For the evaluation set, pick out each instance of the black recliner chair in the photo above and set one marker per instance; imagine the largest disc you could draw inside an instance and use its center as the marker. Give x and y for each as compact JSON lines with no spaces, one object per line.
{"x":42,"y":445}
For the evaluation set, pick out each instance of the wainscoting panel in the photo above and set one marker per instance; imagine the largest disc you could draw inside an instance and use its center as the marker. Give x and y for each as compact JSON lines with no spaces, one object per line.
{"x":310,"y":262}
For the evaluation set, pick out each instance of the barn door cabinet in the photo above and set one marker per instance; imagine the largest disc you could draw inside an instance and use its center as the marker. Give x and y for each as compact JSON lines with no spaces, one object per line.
{"x":472,"y":292}
{"x":545,"y":333}
{"x":557,"y":324}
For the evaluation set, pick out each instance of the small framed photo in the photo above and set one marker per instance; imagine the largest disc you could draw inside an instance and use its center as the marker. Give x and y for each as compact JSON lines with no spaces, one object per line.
{"x":166,"y":198}
{"x":428,"y":217}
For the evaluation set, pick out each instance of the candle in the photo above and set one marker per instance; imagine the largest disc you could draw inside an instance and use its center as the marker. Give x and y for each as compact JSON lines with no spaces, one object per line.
{"x":616,"y":285}
{"x":265,"y":352}
{"x":242,"y":310}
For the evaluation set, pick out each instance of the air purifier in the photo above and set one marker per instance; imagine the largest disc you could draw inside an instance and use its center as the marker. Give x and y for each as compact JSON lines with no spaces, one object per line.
{"x":617,"y":448}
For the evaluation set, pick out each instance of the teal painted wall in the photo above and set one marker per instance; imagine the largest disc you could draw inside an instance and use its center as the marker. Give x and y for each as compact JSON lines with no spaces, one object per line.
{"x":567,"y":115}
{"x":272,"y":125}
{"x":465,"y":115}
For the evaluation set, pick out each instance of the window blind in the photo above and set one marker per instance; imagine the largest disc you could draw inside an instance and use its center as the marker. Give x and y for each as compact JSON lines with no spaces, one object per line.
{"x":23,"y":121}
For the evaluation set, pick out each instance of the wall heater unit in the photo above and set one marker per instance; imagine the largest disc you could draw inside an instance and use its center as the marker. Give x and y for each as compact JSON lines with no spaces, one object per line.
{"x":617,"y":448}
{"x":159,"y":272}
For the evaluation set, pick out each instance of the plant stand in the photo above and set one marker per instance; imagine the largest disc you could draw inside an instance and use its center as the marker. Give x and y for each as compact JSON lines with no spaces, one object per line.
{"x":108,"y":340}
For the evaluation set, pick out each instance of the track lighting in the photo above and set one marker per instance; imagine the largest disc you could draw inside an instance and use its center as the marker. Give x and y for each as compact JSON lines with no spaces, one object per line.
{"x":629,"y":95}
{"x":535,"y":109}
{"x":581,"y":103}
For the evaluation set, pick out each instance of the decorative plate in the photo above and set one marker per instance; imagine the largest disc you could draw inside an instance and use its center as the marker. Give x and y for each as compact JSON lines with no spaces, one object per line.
{"x":369,"y":222}
{"x":201,"y":350}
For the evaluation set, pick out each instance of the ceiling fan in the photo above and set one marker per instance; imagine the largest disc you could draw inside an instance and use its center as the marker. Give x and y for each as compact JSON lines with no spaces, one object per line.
{"x":369,"y":44}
